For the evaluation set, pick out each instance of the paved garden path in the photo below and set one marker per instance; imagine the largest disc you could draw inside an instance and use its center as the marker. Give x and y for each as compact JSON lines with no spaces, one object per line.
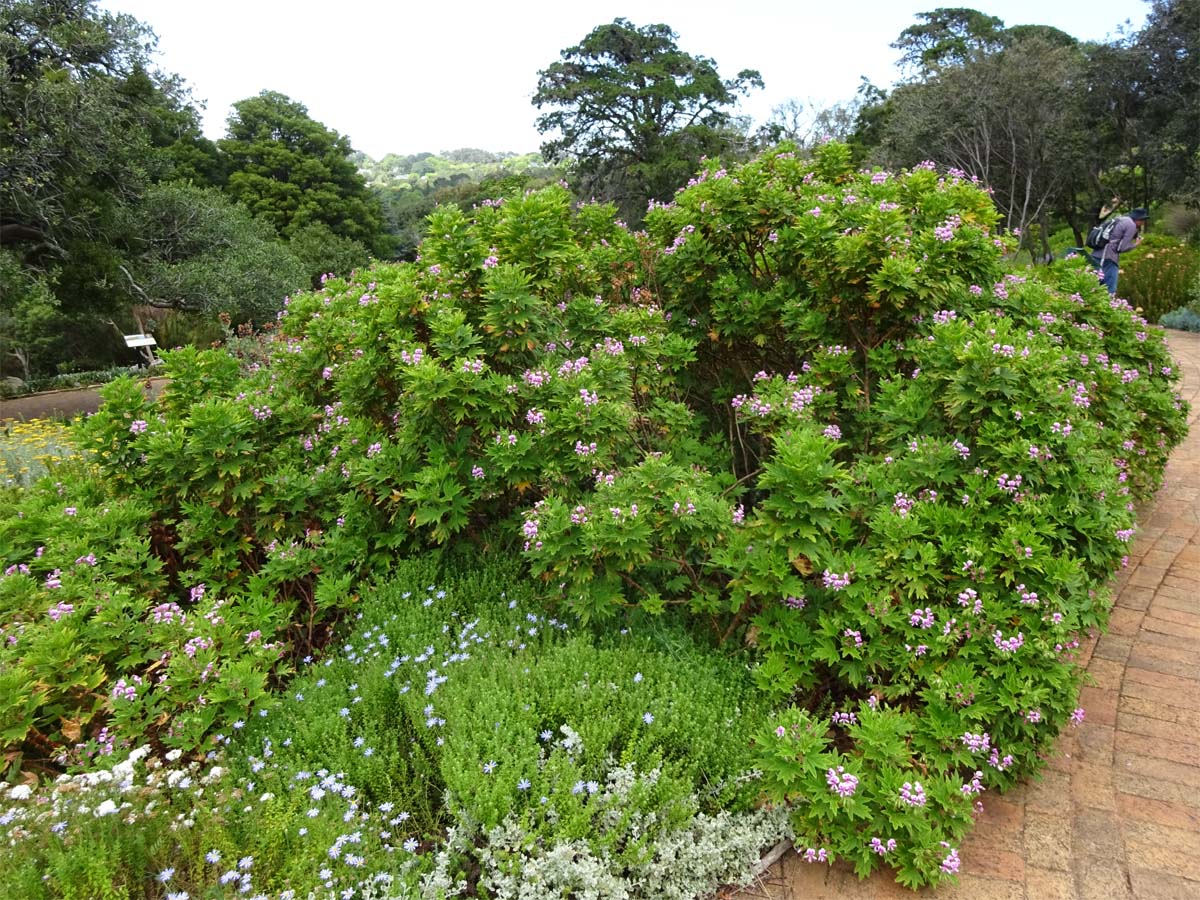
{"x":63,"y":404}
{"x":1116,"y":815}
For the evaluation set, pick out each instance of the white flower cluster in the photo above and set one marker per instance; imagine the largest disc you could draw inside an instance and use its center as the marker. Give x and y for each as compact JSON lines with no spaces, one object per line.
{"x":129,"y":791}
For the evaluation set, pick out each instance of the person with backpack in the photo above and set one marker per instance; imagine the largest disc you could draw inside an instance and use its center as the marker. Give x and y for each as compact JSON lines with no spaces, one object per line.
{"x":1110,"y":239}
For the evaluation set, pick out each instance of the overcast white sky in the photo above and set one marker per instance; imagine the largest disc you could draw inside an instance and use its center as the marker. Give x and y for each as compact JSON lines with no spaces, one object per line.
{"x":397,"y":76}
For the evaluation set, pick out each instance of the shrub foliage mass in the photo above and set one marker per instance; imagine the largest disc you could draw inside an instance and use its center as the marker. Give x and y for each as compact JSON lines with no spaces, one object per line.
{"x":807,"y":410}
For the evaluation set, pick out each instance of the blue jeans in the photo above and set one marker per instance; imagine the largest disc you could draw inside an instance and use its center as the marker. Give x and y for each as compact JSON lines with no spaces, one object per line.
{"x":1108,"y":272}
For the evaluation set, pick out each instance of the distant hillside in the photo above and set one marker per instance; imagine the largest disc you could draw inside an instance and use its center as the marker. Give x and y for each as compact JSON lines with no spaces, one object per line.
{"x":409,"y":187}
{"x":425,"y":170}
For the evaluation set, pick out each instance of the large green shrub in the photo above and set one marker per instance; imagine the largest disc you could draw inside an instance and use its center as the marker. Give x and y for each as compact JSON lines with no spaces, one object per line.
{"x":808,"y":409}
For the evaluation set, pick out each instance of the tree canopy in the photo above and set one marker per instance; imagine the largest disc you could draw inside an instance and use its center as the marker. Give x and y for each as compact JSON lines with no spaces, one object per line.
{"x":1054,"y":126}
{"x":948,"y":36}
{"x":633,"y":113}
{"x":293,"y":171}
{"x":84,"y":125}
{"x":192,"y":248}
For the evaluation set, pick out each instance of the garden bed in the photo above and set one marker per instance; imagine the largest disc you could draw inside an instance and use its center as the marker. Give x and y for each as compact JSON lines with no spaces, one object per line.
{"x":806,"y":426}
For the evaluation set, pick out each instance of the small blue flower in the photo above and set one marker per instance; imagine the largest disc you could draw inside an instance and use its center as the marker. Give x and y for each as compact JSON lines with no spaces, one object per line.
{"x":489,"y":767}
{"x":524,"y":784}
{"x":648,"y":718}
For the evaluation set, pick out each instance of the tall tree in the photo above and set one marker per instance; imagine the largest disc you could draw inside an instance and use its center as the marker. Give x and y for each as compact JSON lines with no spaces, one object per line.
{"x":70,"y":147}
{"x":948,"y":36}
{"x":191,"y":248}
{"x":634,"y":114}
{"x":809,"y":124}
{"x":1004,"y":113}
{"x":86,"y":125}
{"x":1167,"y":52}
{"x":292,"y":171}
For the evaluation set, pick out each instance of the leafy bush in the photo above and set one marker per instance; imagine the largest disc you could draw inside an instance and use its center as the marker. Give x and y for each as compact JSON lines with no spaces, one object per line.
{"x":807,"y":409}
{"x":1160,"y":276}
{"x":71,"y":380}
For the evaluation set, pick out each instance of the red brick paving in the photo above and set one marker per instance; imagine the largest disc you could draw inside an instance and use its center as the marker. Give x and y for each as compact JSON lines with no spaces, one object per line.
{"x":1116,"y":814}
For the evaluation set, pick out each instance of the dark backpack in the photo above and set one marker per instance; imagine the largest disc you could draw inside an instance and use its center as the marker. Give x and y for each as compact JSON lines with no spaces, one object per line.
{"x":1099,"y":235}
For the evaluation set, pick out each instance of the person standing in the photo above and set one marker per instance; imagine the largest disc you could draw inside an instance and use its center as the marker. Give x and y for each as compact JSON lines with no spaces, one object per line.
{"x":1126,"y":234}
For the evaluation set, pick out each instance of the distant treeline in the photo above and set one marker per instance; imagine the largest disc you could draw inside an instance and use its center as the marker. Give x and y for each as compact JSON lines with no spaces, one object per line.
{"x":116,"y":213}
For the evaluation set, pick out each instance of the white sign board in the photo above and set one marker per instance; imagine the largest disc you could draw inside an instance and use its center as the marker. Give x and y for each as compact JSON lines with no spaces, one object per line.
{"x":140,"y":340}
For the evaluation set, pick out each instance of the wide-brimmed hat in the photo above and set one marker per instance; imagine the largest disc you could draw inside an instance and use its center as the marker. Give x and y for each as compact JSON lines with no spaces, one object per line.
{"x":1139,"y":213}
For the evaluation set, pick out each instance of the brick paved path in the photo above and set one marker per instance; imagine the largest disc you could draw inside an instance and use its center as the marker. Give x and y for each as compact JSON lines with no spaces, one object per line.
{"x":1116,"y":815}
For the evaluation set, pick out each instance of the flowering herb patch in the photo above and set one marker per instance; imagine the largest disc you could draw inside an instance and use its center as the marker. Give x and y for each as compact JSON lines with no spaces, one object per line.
{"x":458,"y":740}
{"x":27,"y":447}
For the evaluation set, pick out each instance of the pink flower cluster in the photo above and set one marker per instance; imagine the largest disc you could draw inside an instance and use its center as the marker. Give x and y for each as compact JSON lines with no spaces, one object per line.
{"x":912,"y":793}
{"x":883,"y":849}
{"x":841,"y":782}
{"x":835,"y":582}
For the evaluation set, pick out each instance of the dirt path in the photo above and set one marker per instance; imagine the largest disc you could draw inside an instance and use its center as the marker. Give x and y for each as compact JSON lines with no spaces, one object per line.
{"x":62,"y":404}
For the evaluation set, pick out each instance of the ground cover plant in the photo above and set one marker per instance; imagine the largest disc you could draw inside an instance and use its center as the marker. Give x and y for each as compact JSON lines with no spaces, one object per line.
{"x":807,"y":411}
{"x":26,"y":448}
{"x":554,"y":763}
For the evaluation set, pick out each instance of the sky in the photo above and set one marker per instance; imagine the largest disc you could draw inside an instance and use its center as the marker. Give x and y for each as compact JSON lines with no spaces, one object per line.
{"x":397,"y":76}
